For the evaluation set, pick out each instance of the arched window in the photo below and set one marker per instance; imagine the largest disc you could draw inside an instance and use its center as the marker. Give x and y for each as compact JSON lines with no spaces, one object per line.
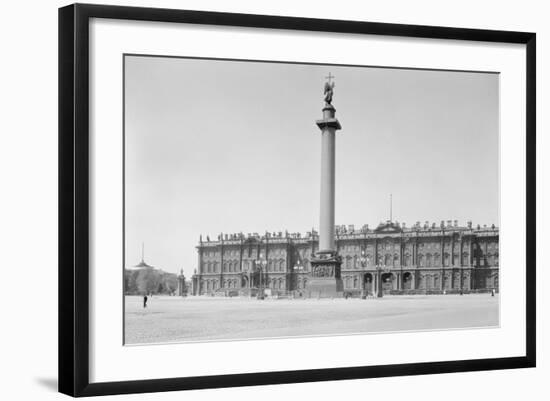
{"x":446,"y":259}
{"x":429,"y":282}
{"x":282,"y":265}
{"x":465,"y":259}
{"x":224,"y":266}
{"x":388,"y":260}
{"x":355,"y":266}
{"x":421,"y":260}
{"x":429,"y":260}
{"x":395,"y":260}
{"x":270,"y":265}
{"x":407,"y":259}
{"x":348,"y":262}
{"x":355,"y":282}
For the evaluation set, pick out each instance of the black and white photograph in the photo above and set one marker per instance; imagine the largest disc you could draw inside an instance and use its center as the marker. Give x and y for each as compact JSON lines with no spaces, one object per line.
{"x":275,"y":200}
{"x":281,"y":199}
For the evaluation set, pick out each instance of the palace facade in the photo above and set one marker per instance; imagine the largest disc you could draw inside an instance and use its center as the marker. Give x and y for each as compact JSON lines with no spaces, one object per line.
{"x":422,"y":259}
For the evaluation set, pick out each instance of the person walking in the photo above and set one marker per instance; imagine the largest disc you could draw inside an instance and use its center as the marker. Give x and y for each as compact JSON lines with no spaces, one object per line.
{"x":145,"y":301}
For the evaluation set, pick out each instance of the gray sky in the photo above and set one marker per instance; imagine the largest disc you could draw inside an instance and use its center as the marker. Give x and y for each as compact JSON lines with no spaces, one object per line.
{"x":223,"y":146}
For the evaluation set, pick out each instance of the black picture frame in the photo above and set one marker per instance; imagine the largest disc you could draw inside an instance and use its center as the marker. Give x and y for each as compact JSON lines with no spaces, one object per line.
{"x":74,"y":202}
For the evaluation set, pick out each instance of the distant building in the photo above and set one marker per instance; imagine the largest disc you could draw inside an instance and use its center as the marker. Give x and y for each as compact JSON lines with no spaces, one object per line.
{"x":424,"y":258}
{"x":142,"y":264}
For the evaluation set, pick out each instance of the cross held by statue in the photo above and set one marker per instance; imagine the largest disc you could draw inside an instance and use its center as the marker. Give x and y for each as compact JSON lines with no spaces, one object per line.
{"x":330,"y":76}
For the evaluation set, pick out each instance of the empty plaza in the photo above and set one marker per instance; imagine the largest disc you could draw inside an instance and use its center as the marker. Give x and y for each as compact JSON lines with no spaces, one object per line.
{"x":177,"y":319}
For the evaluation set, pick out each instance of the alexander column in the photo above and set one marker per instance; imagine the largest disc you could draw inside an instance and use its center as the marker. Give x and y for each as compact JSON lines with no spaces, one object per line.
{"x":326,"y":281}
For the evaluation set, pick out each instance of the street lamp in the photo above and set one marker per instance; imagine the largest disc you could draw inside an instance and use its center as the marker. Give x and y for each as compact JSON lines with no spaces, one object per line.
{"x":261,"y":262}
{"x":363,"y":289}
{"x":298,"y":268}
{"x":379,"y":275}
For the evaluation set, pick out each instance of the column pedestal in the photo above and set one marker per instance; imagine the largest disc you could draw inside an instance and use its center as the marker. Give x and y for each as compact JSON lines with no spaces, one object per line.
{"x":326,"y":280}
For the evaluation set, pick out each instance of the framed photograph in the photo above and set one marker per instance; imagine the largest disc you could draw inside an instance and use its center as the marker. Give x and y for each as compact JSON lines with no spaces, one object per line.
{"x":252,"y":199}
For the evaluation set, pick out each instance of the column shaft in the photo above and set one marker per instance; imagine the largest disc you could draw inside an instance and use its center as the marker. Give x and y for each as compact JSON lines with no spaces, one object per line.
{"x":326,"y":230}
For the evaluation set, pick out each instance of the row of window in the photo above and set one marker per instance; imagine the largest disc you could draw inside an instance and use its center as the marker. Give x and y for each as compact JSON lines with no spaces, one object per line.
{"x":213,"y":267}
{"x":349,"y":262}
{"x":211,"y":285}
{"x":345,"y":248}
{"x":276,"y":284}
{"x":426,"y":281}
{"x":237,"y":252}
{"x":351,"y":282}
{"x":423,"y":260}
{"x":234,"y":266}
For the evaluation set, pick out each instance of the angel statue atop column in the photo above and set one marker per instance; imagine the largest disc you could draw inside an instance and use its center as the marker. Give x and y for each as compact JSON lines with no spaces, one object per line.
{"x":329,"y":89}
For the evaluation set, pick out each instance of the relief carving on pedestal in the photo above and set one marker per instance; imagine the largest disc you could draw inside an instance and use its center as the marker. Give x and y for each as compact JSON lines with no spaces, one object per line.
{"x":323,"y":271}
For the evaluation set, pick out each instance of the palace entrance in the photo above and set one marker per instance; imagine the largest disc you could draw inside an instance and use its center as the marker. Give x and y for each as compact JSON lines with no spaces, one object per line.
{"x":407,"y":281}
{"x":367,"y":282}
{"x":387,"y":282}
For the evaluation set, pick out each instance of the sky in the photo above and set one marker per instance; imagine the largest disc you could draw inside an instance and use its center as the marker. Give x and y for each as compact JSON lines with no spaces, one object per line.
{"x":217,"y":146}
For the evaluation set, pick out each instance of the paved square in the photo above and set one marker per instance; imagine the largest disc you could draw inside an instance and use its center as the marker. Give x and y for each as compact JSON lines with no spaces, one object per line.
{"x":175,"y":319}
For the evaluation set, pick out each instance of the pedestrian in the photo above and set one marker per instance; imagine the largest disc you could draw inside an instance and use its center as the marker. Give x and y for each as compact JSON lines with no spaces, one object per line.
{"x":145,"y":301}
{"x":493,"y":292}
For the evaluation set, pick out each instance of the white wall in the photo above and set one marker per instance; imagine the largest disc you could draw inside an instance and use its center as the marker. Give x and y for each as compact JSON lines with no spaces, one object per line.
{"x":28,"y":220}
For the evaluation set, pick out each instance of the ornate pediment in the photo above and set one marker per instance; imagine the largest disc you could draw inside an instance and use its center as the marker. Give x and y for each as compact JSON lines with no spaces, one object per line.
{"x":388,"y":227}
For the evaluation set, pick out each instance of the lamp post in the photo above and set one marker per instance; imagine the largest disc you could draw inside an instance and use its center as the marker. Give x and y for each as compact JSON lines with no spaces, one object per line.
{"x":261,"y":262}
{"x":297,"y":268}
{"x":379,"y":291}
{"x":363,"y":289}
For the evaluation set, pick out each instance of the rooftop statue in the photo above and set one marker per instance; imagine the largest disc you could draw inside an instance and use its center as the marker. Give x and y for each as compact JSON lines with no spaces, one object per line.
{"x":329,"y":90}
